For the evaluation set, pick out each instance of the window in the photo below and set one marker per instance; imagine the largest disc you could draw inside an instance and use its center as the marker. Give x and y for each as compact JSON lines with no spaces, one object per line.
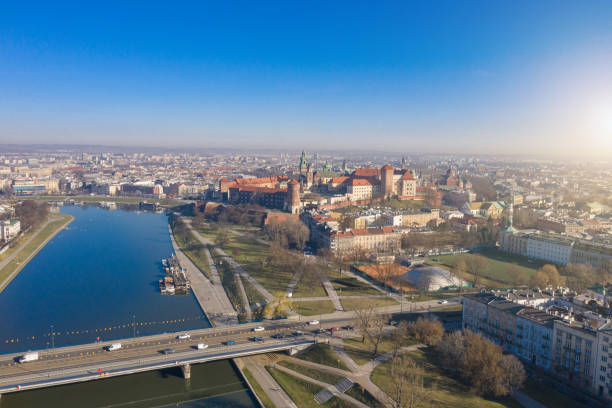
{"x":604,"y":358}
{"x":604,"y":348}
{"x":602,"y":378}
{"x":586,"y":371}
{"x":602,"y":368}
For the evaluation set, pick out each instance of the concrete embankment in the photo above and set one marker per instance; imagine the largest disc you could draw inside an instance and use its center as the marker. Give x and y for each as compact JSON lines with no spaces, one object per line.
{"x":216,"y":306}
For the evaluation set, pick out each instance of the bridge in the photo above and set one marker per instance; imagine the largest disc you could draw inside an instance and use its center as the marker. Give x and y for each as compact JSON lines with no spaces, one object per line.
{"x":66,"y":365}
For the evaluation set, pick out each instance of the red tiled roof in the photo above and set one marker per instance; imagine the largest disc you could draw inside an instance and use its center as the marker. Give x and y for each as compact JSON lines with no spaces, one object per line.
{"x":366,"y":172}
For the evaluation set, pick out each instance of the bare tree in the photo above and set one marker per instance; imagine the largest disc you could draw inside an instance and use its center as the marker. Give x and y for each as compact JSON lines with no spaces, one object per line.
{"x":477,"y":265}
{"x":407,"y":385}
{"x":426,"y":330}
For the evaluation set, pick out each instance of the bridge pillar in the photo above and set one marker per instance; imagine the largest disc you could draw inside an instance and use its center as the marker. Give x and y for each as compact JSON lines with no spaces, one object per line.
{"x":186,"y":371}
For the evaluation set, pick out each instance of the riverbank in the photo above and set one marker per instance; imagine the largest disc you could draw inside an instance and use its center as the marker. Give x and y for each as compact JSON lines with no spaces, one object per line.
{"x":97,"y":199}
{"x":19,"y":258}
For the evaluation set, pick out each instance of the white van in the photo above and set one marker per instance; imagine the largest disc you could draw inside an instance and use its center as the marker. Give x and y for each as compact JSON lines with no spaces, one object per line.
{"x":114,"y":346}
{"x":28,"y":357}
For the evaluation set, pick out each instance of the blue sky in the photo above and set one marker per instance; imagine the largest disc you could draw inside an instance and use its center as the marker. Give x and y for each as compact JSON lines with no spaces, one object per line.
{"x":424,"y":76}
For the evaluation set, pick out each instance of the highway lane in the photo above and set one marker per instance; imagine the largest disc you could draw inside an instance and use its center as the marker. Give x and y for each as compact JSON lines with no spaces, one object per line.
{"x":88,"y":358}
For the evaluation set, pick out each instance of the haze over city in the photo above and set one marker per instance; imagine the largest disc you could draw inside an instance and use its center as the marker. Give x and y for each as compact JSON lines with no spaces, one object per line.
{"x":396,"y":204}
{"x":467,"y":77}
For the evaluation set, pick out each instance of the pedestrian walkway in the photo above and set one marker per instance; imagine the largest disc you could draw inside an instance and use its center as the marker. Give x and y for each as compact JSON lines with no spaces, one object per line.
{"x":212,"y":298}
{"x":269,"y":385}
{"x":331,"y":292}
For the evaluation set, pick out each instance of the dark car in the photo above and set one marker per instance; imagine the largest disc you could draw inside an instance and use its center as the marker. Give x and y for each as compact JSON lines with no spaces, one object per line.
{"x":169,"y":351}
{"x":320,"y":331}
{"x":278,"y":336}
{"x":257,"y":338}
{"x":298,"y":333}
{"x":349,"y":327}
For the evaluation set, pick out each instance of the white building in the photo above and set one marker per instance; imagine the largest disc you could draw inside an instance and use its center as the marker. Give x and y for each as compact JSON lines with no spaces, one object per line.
{"x":9,"y":229}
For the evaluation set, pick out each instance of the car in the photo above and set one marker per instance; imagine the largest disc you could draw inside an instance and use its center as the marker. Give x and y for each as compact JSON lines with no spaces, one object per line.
{"x":183,"y":336}
{"x":169,"y":351}
{"x":443,"y":302}
{"x":202,"y":346}
{"x":298,"y":333}
{"x":113,"y":347}
{"x":259,"y":329}
{"x":319,"y":331}
{"x":349,"y":327}
{"x":257,"y":338}
{"x":230,"y":342}
{"x":278,"y":336}
{"x":313,"y":322}
{"x":393,"y":322}
{"x":333,"y":329}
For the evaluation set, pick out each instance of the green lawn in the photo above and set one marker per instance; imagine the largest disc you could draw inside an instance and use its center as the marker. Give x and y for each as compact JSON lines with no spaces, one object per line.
{"x":444,"y":391}
{"x":499,"y":272}
{"x":320,"y":375}
{"x":366,"y":303}
{"x":305,"y":289}
{"x":19,"y":261}
{"x":361,"y":352}
{"x":349,"y":286}
{"x":303,"y":392}
{"x":322,"y":354}
{"x":252,"y":293}
{"x":191,"y":247}
{"x":258,"y":390}
{"x":362,"y":395}
{"x":313,"y":308}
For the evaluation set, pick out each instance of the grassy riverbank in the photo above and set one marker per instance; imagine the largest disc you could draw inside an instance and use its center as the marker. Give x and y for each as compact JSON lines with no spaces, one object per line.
{"x":27,"y":250}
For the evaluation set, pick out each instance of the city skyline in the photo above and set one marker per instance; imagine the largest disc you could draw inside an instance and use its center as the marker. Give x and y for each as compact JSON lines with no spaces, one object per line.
{"x":457,"y":78}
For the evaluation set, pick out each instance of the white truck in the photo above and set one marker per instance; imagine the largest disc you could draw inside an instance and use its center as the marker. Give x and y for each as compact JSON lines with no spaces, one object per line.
{"x":28,"y":357}
{"x":114,"y":346}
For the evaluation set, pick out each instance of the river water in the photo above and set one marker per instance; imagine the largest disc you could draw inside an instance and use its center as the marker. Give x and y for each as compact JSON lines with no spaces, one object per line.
{"x":93,"y":280}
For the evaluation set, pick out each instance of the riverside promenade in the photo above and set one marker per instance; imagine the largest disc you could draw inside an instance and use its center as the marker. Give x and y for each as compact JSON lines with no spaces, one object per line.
{"x":213,"y":300}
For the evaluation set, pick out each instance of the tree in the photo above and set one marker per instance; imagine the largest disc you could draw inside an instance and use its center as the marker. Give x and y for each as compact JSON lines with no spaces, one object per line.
{"x":514,"y":373}
{"x":31,"y":213}
{"x":579,"y":276}
{"x":481,"y":363}
{"x":426,"y":330}
{"x":517,"y":275}
{"x":370,"y":327}
{"x":548,"y":275}
{"x":222,"y":238}
{"x":407,"y":390}
{"x":477,"y":265}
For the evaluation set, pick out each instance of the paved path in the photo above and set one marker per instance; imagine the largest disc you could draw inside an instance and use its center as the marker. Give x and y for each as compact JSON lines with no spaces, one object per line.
{"x":526,"y":400}
{"x":12,"y":256}
{"x":276,"y":394}
{"x":244,"y":274}
{"x":294,"y":281}
{"x":327,"y":386}
{"x":331,"y":292}
{"x":212,"y":298}
{"x":307,"y":299}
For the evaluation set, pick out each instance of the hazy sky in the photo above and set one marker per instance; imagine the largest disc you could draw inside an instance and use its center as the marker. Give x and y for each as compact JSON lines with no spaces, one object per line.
{"x":463,"y":76}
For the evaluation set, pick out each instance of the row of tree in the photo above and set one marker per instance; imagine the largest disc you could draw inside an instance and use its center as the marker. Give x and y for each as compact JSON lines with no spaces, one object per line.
{"x":288,"y":233}
{"x":31,"y":213}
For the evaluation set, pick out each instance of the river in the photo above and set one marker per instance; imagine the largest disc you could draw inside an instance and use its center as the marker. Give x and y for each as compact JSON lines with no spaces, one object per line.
{"x":93,"y":280}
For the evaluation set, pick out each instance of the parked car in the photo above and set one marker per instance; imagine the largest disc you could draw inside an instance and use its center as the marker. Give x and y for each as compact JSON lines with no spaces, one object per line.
{"x":349,"y":327}
{"x":313,"y":322}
